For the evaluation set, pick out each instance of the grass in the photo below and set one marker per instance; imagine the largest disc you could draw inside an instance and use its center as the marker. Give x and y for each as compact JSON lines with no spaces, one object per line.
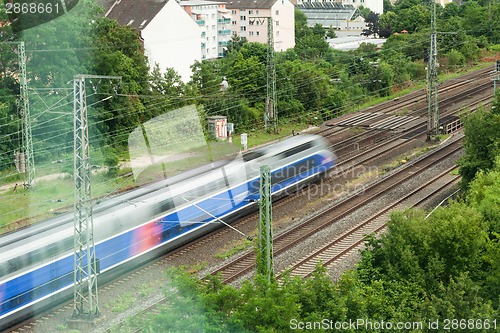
{"x":237,"y":246}
{"x":49,"y":198}
{"x":122,"y":303}
{"x":402,"y":159}
{"x":196,"y":268}
{"x":144,"y":290}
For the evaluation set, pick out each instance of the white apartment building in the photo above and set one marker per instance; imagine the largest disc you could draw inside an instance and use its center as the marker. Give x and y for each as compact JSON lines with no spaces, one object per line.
{"x":215,"y":23}
{"x":170,"y":37}
{"x":249,"y":20}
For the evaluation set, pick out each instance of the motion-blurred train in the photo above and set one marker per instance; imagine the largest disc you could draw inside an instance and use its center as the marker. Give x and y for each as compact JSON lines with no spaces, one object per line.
{"x":36,"y":264}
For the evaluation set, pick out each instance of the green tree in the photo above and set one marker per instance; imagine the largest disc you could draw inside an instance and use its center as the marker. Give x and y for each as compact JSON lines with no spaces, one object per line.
{"x":455,"y":58}
{"x":412,"y":19}
{"x":482,"y":143}
{"x":318,"y":30}
{"x":301,"y":28}
{"x":372,"y":25}
{"x":386,"y":22}
{"x":9,"y":92}
{"x":330,"y":33}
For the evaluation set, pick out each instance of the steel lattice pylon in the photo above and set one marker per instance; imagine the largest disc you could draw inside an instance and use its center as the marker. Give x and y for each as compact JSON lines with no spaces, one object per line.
{"x":264,"y":264}
{"x":432,"y":83}
{"x":85,"y":297}
{"x":27,"y":140}
{"x":271,"y":110}
{"x":86,"y":305}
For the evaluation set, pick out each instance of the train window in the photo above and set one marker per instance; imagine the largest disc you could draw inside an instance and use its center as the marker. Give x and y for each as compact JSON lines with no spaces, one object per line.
{"x":51,"y":250}
{"x":298,"y":149}
{"x":14,"y":265}
{"x":252,"y":156}
{"x":167,"y":205}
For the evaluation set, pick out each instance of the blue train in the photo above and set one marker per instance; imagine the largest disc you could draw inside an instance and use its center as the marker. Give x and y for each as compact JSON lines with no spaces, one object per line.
{"x":36,"y":264}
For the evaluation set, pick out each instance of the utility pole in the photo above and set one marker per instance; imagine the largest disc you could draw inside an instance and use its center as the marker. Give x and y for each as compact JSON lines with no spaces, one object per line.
{"x":271,"y":113}
{"x":264,"y":264}
{"x":432,"y":82}
{"x":25,"y":115}
{"x":26,"y":157}
{"x":86,"y":266}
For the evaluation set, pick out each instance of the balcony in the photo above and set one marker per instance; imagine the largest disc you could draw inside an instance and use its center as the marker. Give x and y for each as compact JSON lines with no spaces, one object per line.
{"x":200,"y":22}
{"x":224,"y":32}
{"x":224,"y":21}
{"x":223,"y":43}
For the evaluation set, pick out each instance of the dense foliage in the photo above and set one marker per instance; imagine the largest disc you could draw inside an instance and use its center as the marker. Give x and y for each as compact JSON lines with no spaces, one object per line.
{"x":482,"y":141}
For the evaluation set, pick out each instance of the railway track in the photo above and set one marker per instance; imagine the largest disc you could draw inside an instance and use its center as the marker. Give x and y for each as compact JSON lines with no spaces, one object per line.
{"x":361,"y":157}
{"x":354,"y":238}
{"x":350,"y":240}
{"x":284,"y":241}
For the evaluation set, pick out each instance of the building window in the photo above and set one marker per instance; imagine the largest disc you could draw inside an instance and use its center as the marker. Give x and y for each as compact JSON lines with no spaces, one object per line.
{"x":233,"y":12}
{"x":243,"y":28}
{"x":277,"y":23}
{"x":258,"y":33}
{"x":213,"y":38}
{"x":257,"y":12}
{"x":250,"y":33}
{"x":234,"y":22}
{"x":277,"y":12}
{"x":277,"y":33}
{"x":213,"y":27}
{"x":250,"y":12}
{"x":243,"y":18}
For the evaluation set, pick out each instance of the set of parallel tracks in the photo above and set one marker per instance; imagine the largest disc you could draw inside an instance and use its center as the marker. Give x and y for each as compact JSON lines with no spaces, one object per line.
{"x":350,"y":240}
{"x":286,"y":240}
{"x":354,"y":238}
{"x":369,"y":136}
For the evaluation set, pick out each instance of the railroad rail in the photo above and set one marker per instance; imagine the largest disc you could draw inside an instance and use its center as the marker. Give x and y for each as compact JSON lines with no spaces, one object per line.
{"x":354,"y":238}
{"x":284,"y":241}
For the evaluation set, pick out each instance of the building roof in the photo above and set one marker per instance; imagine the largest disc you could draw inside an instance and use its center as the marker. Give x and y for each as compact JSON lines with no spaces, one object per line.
{"x":199,"y":2}
{"x":353,"y":42}
{"x":326,"y":11}
{"x":135,"y":13}
{"x":249,"y":4}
